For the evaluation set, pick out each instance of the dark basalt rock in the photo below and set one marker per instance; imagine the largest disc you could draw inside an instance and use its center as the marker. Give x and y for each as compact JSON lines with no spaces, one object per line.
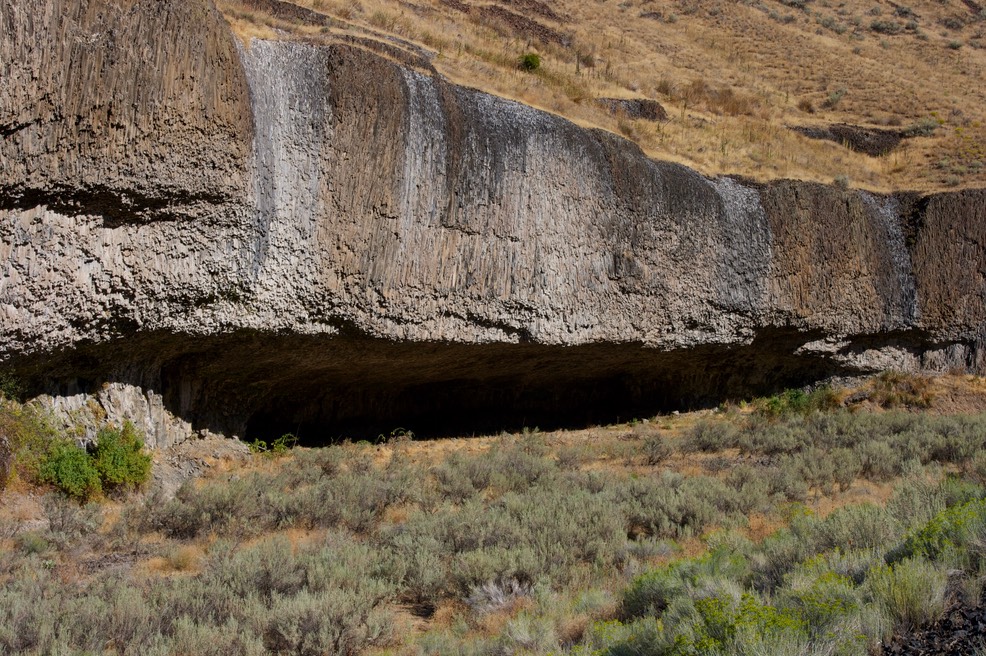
{"x":874,"y":142}
{"x":249,"y":239}
{"x":288,"y":11}
{"x":960,"y":632}
{"x":520,"y":25}
{"x":637,"y":108}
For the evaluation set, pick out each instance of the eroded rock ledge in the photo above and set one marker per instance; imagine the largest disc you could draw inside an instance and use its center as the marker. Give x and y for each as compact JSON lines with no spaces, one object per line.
{"x":288,"y":235}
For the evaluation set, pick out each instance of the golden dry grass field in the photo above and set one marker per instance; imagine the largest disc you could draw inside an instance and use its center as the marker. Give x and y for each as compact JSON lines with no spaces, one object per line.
{"x":733,"y":76}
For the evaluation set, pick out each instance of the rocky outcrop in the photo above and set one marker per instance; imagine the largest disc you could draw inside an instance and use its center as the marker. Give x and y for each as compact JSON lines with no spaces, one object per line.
{"x":314,"y":236}
{"x":636,"y":108}
{"x":960,"y":631}
{"x":874,"y":142}
{"x":130,"y":111}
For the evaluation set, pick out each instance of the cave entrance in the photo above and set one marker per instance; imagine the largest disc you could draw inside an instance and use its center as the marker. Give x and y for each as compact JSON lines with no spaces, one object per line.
{"x":324,"y":389}
{"x":458,"y":408}
{"x":369,"y":389}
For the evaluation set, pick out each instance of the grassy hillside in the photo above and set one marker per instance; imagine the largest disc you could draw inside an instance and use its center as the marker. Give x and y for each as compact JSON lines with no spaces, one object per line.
{"x":796,"y":524}
{"x":734,"y":77}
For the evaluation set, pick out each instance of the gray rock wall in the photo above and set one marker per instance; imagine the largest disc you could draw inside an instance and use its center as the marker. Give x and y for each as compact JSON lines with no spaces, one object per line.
{"x":286,"y":232}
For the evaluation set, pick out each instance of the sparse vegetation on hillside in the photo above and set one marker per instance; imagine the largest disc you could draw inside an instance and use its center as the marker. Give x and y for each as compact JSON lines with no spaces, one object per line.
{"x":530,"y":62}
{"x":794,"y":522}
{"x":733,"y":75}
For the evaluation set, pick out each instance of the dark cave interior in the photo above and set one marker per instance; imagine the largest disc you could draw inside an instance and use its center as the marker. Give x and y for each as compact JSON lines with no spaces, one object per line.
{"x":325,"y":389}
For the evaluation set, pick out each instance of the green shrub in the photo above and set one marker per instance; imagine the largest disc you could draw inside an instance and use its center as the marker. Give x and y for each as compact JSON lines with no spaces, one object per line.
{"x":796,"y":401}
{"x":277,"y":448}
{"x":119,"y":458}
{"x":529,"y":62}
{"x":70,"y":469}
{"x":953,"y":528}
{"x":886,"y":27}
{"x":656,"y":449}
{"x":710,"y":435}
{"x":32,"y":543}
{"x":712,"y":617}
{"x":923,"y":128}
{"x":823,"y":600}
{"x":912,"y":592}
{"x":10,"y":386}
{"x":41,"y":455}
{"x":653,"y":592}
{"x":30,"y":434}
{"x":724,"y":622}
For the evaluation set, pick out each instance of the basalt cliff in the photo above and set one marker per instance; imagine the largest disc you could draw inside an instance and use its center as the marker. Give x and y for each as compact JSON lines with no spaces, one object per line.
{"x":327,"y":237}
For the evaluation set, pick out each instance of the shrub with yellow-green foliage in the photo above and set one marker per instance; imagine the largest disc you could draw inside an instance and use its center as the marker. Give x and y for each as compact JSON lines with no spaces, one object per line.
{"x":796,"y":401}
{"x":119,"y":458}
{"x":911,"y":592}
{"x":116,"y":462}
{"x":29,"y":434}
{"x":71,"y":470}
{"x":842,"y":584}
{"x":947,"y":534}
{"x":34,"y":450}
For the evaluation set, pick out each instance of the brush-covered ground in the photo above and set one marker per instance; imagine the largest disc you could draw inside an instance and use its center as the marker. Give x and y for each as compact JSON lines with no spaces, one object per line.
{"x":833,"y":522}
{"x":733,"y":76}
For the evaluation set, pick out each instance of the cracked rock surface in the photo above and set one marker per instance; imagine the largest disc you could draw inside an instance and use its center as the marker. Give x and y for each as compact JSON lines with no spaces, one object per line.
{"x":204,"y":235}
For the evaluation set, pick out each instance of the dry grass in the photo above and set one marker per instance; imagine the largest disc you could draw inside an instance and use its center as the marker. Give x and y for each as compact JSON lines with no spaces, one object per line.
{"x":178,"y":559}
{"x":732,"y":75}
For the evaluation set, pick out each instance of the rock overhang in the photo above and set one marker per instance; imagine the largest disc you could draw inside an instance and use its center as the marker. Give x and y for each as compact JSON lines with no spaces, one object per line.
{"x":320,"y":211}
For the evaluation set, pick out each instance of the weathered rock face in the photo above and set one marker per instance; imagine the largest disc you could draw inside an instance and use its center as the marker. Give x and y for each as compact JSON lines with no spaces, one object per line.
{"x":291,"y":235}
{"x":131,"y":111}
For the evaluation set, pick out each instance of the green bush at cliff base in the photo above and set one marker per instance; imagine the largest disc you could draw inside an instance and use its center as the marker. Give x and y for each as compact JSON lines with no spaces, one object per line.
{"x":29,"y":434}
{"x":795,"y":401}
{"x":71,"y":470}
{"x":119,"y":459}
{"x":117,"y":462}
{"x":279,"y":447}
